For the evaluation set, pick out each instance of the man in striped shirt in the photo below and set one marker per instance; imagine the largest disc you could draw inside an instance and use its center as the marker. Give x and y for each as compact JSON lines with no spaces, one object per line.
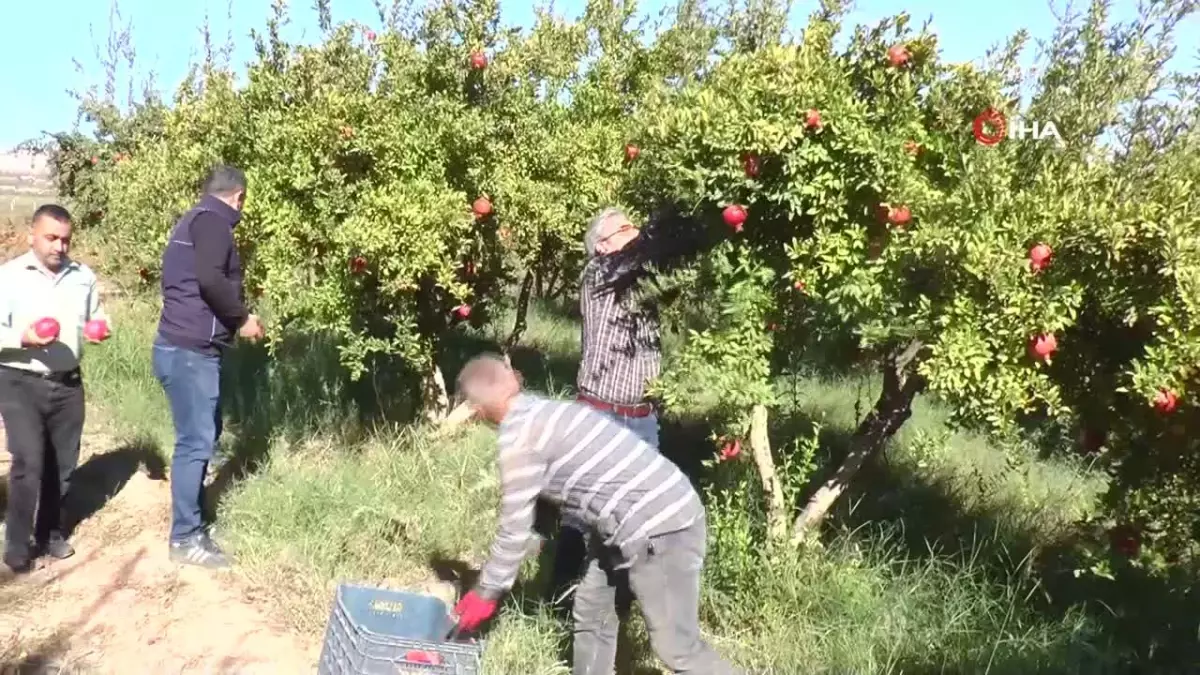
{"x":644,"y":516}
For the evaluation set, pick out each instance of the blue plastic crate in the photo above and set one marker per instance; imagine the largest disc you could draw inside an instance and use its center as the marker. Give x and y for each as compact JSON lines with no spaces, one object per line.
{"x":377,"y":631}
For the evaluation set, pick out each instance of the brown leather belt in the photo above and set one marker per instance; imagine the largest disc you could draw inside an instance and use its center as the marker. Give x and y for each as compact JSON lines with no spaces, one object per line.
{"x":638,"y":410}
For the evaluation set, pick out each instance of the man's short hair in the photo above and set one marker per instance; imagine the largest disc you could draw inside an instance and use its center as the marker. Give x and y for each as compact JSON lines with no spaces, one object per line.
{"x":480,"y":374}
{"x":55,"y":211}
{"x":595,"y":231}
{"x":224,"y":180}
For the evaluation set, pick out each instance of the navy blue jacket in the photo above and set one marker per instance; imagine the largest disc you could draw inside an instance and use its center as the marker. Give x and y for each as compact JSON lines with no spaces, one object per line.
{"x":203,"y":301}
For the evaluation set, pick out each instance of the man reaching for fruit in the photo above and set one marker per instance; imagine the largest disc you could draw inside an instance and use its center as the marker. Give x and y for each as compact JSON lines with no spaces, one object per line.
{"x":620,"y":339}
{"x":202,"y":311}
{"x":49,"y":304}
{"x":644,"y":516}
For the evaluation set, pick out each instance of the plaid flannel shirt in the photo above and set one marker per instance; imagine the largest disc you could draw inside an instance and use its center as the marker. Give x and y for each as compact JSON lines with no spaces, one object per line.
{"x":621,"y":345}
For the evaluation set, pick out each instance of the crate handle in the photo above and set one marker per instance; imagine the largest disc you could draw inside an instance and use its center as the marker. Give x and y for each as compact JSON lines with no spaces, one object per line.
{"x":423,"y":657}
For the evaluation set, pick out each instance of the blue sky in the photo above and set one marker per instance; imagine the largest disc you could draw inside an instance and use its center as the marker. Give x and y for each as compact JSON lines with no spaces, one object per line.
{"x":55,"y":33}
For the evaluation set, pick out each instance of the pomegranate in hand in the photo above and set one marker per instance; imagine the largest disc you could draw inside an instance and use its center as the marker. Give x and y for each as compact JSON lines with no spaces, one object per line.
{"x":96,"y":330}
{"x":47,"y":327}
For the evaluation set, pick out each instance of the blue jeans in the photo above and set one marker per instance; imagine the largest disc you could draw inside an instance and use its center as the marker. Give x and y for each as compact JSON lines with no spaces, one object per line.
{"x":645,"y":427}
{"x":192,"y":382}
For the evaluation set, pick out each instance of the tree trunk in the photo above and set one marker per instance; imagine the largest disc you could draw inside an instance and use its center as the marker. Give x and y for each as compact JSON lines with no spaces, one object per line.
{"x":760,"y":447}
{"x":552,"y":290}
{"x":436,"y":399}
{"x":457,"y":417}
{"x":522,"y":320}
{"x":891,"y":411}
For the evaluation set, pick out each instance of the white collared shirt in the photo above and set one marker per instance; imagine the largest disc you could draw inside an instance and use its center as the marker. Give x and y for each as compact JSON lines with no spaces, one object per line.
{"x":29,"y":292}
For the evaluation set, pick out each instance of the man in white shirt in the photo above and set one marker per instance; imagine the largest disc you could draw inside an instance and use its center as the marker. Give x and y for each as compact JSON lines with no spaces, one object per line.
{"x":46,"y":301}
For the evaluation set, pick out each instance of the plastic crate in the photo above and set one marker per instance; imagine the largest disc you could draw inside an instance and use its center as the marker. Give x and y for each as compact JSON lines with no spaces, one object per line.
{"x":376,"y":631}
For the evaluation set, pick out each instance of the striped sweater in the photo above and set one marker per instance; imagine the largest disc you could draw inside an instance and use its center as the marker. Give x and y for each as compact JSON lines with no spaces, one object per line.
{"x":599,"y":472}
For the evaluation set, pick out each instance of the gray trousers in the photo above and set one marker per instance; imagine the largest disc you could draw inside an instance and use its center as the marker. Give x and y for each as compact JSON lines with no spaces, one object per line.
{"x":665,"y":579}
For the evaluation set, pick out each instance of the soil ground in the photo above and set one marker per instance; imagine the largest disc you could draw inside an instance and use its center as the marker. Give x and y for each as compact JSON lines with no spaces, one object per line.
{"x":119,"y":605}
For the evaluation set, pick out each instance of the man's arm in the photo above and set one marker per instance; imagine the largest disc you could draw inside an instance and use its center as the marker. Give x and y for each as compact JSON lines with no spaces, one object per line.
{"x":10,"y":335}
{"x":213,"y":241}
{"x":669,"y":239}
{"x":95,"y":310}
{"x":521,"y":475}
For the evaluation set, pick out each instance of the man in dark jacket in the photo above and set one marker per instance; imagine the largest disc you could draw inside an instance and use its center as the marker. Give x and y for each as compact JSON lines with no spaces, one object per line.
{"x":203,"y":309}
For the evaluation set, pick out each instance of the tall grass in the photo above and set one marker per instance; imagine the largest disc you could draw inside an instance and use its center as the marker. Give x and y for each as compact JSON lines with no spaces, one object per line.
{"x":915,"y":577}
{"x":120,"y":383}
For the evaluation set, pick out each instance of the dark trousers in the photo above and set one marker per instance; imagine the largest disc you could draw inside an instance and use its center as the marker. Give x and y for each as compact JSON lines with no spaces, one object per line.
{"x":664,"y":576}
{"x":192,"y":383}
{"x":43,"y":418}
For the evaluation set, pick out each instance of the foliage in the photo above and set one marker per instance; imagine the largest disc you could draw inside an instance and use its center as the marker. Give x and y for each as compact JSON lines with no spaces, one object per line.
{"x":877,"y":228}
{"x":887,"y":225}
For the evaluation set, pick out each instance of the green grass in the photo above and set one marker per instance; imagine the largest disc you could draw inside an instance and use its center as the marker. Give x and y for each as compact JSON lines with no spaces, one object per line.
{"x":120,"y":383}
{"x":926,"y":569}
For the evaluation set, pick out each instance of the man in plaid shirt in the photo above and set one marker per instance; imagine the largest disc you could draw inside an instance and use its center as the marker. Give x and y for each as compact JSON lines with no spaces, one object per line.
{"x":621,"y":345}
{"x":620,"y":336}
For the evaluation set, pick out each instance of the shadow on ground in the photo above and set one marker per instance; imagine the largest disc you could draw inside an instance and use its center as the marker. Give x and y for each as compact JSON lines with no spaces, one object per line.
{"x":300,"y":391}
{"x":303,"y":390}
{"x":1139,"y":621}
{"x":51,"y":654}
{"x":101,"y":476}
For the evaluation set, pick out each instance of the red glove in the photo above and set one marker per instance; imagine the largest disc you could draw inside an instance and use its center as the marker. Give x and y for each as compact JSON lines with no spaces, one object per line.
{"x":473,"y":610}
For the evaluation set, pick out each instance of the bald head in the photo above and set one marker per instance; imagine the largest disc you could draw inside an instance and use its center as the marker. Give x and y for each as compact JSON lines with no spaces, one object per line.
{"x":489,"y":384}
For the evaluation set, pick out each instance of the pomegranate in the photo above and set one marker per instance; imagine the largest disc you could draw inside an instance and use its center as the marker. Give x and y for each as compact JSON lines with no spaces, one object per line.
{"x":1165,"y":401}
{"x":1125,"y":540}
{"x":734,"y":215}
{"x":898,"y":55}
{"x":1044,"y":346}
{"x":47,"y":327}
{"x":899,"y":216}
{"x":96,"y":330}
{"x":752,"y":165}
{"x":1039,"y":257}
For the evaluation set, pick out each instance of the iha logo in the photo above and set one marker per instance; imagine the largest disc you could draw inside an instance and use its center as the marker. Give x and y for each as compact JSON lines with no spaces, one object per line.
{"x":991,"y":127}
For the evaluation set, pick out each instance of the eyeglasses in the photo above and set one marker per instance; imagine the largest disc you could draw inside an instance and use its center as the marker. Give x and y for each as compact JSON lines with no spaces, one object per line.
{"x":625,"y":227}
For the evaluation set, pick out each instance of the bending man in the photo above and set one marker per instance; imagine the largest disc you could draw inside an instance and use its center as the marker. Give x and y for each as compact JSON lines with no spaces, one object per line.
{"x":643,"y":514}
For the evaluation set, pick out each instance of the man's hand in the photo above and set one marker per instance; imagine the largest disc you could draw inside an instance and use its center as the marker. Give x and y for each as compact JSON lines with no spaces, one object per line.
{"x":96,"y":331}
{"x":32,"y":339}
{"x":473,"y":610}
{"x":252,"y":330}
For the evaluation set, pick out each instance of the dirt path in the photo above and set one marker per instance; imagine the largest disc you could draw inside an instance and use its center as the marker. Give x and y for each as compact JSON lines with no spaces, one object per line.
{"x":120,"y":606}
